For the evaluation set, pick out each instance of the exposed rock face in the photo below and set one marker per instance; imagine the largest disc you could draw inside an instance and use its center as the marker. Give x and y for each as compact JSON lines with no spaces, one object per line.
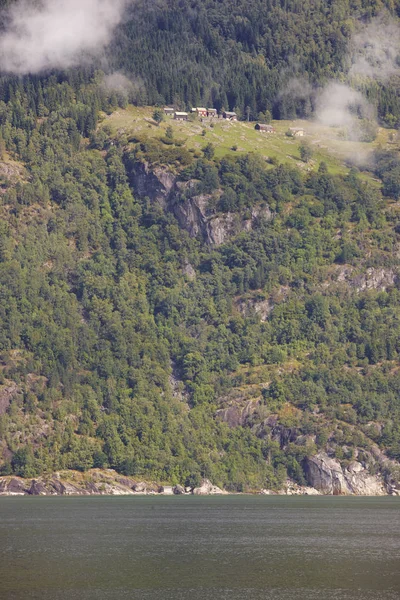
{"x":261,"y":306}
{"x":38,"y":488}
{"x":281,"y":434}
{"x":140,"y":488}
{"x":126,"y":482}
{"x":236,"y":415}
{"x":114,"y":490}
{"x":189,"y":271}
{"x":325,"y":476}
{"x":207,"y":488}
{"x":372,"y":279}
{"x":221,"y":228}
{"x":167,"y":490}
{"x":155,"y":183}
{"x":7,"y":392}
{"x":329,"y":477}
{"x":13,"y":486}
{"x":162,"y":187}
{"x":291,"y":488}
{"x":375,"y":279}
{"x":95,"y":482}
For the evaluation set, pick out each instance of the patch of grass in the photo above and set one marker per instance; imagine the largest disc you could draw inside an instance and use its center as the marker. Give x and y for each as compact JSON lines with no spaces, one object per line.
{"x":241,"y":137}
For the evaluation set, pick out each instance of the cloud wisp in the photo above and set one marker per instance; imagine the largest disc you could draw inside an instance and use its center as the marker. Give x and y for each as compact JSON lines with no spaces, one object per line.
{"x":338,"y":105}
{"x":56,"y":34}
{"x":376,"y":49}
{"x":375,"y":55}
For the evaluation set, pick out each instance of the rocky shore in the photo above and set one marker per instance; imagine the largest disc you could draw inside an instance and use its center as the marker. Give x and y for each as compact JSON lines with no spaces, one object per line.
{"x":96,"y":483}
{"x":326,"y":476}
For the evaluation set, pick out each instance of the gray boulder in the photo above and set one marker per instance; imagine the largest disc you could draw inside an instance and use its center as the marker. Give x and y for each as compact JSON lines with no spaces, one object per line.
{"x":329,"y":477}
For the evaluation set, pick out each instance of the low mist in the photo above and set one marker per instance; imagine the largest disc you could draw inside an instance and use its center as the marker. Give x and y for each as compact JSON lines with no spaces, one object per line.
{"x":374,"y":56}
{"x":56,"y":34}
{"x":376,"y":50}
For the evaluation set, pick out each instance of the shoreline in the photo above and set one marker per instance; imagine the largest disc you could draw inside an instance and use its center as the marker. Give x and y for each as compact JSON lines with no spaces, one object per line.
{"x":110,"y":483}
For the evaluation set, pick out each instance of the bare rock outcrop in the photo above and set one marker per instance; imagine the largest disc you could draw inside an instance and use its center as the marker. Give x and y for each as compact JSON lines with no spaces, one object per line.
{"x":94,"y":484}
{"x":329,"y":477}
{"x":7,"y":393}
{"x":13,"y":486}
{"x":190,"y":209}
{"x":237,"y":414}
{"x":38,"y":488}
{"x":375,"y":279}
{"x":166,"y":490}
{"x":11,"y":171}
{"x":156,"y":183}
{"x":140,"y":487}
{"x":262,"y":308}
{"x":260,"y":305}
{"x":291,"y":488}
{"x":207,"y":488}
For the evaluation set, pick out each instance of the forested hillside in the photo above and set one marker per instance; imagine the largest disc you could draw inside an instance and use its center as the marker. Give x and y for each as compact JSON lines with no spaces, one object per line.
{"x":124,"y":339}
{"x":174,"y":312}
{"x":244,"y":55}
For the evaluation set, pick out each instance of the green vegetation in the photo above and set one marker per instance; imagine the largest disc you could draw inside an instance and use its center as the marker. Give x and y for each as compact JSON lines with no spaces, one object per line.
{"x":136,"y":123}
{"x":130,"y":339}
{"x":241,"y":55}
{"x":123,"y":337}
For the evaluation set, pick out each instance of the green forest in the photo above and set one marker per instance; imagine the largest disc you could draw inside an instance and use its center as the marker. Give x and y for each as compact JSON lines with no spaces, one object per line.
{"x":242,"y":55}
{"x":124,"y":338}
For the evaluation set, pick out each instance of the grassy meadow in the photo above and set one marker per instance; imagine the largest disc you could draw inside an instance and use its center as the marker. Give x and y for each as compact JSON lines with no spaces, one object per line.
{"x":241,"y":137}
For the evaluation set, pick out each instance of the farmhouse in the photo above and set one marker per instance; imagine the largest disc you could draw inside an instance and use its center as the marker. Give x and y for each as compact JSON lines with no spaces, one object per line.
{"x":201,"y":112}
{"x":169,"y":111}
{"x":212,"y":112}
{"x":230,"y":116}
{"x":297,"y":131}
{"x":181,"y":116}
{"x":265,"y":128}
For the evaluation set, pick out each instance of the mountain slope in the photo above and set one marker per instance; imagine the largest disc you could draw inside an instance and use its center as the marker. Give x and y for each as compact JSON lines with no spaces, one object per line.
{"x":128,"y":341}
{"x":185,"y":302}
{"x":250,"y":56}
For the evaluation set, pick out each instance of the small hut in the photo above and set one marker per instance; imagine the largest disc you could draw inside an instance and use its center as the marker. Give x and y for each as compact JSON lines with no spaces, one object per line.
{"x":230,"y":116}
{"x":181,"y":116}
{"x":264,"y":128}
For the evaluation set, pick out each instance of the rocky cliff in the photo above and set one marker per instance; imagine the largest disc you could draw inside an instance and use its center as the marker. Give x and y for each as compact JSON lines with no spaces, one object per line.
{"x":191,"y":211}
{"x":371,"y":473}
{"x":329,"y":477}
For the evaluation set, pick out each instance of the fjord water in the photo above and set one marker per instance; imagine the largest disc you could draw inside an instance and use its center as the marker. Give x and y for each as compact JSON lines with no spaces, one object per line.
{"x":200,"y":548}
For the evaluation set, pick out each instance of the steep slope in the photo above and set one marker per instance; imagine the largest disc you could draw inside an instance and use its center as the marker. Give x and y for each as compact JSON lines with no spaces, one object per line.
{"x":129,"y":340}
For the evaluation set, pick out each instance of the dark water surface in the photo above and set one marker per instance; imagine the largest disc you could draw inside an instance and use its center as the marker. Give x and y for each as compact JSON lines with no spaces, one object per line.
{"x":213,"y":548}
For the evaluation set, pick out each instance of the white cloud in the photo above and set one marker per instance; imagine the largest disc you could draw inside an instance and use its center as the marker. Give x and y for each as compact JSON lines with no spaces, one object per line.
{"x":376,"y":49}
{"x":338,"y":105}
{"x":56,"y":33}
